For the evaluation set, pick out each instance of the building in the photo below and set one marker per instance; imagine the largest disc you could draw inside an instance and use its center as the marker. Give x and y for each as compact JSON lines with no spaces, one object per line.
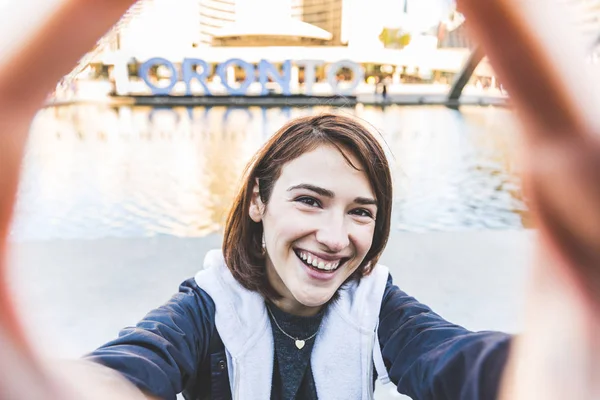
{"x":217,"y":16}
{"x":326,"y":15}
{"x":276,"y":27}
{"x":214,"y":15}
{"x":452,"y":33}
{"x":196,"y":47}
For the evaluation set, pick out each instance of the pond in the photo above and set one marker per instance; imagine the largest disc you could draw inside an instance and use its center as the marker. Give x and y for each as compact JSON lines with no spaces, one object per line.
{"x":97,"y":171}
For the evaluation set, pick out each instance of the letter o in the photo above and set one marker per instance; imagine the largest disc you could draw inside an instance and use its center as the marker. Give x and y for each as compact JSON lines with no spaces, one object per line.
{"x":145,"y":72}
{"x":358,"y":75}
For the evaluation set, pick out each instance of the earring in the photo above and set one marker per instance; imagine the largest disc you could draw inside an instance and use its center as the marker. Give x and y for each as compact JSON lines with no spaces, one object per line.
{"x":264,"y":244}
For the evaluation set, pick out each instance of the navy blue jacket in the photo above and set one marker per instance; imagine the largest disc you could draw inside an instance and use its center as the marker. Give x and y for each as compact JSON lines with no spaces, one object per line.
{"x":170,"y":351}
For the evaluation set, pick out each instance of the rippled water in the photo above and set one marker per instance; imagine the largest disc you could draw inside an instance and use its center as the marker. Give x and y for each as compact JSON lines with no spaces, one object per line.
{"x":95,"y":171}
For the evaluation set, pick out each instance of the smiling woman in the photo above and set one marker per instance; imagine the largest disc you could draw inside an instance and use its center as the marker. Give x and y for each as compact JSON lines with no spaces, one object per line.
{"x":341,"y":216}
{"x":296,"y":290}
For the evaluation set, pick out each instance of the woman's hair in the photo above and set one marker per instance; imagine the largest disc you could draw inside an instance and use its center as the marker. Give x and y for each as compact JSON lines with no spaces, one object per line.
{"x":242,"y":241}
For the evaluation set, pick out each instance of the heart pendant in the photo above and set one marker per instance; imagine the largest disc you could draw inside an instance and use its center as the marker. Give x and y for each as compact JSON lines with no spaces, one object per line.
{"x":300,"y":344}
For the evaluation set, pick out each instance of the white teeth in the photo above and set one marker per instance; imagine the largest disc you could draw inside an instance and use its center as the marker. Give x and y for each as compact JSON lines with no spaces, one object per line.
{"x":332,"y":265}
{"x":315,"y":262}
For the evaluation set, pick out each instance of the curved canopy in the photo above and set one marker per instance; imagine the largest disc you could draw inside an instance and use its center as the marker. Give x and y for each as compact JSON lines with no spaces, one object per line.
{"x":288,"y":27}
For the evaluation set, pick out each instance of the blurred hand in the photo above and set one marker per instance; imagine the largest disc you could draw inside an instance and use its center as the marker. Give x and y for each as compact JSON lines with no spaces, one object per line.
{"x":541,"y":62}
{"x":40,"y":41}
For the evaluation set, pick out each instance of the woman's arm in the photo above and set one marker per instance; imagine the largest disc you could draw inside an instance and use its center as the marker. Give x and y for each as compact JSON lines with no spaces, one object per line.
{"x":162,"y":354}
{"x":427,"y":357}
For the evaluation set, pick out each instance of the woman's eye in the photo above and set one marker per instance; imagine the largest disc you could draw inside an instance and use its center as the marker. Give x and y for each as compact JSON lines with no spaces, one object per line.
{"x":362,"y":212}
{"x":309,"y":201}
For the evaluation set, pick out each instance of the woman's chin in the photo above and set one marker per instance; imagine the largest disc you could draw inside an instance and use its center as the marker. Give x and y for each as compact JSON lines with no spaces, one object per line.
{"x":313,"y":301}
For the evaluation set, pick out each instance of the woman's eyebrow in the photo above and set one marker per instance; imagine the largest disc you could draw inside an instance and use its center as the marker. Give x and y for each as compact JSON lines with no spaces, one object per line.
{"x":365,"y":201}
{"x":319,"y":190}
{"x":328,"y":193}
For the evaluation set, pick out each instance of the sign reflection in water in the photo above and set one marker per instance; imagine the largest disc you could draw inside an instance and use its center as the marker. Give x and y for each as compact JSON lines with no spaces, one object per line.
{"x":129,"y":172}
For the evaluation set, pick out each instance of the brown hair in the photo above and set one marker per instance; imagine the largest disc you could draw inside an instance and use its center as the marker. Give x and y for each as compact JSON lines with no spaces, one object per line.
{"x":242,"y":241}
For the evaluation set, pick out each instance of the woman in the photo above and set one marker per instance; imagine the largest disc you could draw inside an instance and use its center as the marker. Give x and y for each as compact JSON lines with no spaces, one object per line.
{"x":297,"y":297}
{"x":557,"y":355}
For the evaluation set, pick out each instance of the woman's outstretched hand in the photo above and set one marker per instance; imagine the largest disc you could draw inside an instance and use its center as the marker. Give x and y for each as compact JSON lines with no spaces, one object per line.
{"x":41,"y":41}
{"x":541,"y":61}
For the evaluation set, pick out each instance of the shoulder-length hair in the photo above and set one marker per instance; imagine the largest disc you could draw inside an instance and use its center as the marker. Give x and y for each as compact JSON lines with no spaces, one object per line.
{"x":242,"y":241}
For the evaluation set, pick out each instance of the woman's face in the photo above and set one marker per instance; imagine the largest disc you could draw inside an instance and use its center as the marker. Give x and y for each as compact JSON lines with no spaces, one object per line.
{"x":318,"y":226}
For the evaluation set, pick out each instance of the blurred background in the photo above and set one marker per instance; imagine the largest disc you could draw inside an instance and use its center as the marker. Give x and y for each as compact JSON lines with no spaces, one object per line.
{"x":111,"y":157}
{"x":149,"y":133}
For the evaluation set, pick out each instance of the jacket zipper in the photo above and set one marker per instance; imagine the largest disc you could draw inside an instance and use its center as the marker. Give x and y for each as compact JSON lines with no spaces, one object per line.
{"x":236,"y":381}
{"x":370,"y":374}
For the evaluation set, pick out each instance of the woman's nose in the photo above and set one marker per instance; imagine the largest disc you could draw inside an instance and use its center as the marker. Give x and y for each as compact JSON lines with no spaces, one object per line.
{"x":334,"y":235}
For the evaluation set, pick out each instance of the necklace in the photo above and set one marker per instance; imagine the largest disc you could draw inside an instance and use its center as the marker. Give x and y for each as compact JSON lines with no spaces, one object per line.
{"x":298,"y":342}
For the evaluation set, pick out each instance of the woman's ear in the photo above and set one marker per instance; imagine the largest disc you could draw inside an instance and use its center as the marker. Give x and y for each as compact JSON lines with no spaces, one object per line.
{"x":257,"y":207}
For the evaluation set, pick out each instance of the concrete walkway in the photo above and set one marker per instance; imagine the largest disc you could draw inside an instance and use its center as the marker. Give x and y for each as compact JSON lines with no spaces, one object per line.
{"x":76,"y":295}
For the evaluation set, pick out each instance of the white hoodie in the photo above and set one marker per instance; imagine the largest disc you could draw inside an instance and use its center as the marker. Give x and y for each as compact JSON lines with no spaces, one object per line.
{"x":345,"y":348}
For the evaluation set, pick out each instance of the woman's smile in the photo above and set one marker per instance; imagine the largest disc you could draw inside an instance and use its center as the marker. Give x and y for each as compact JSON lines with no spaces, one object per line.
{"x":320,"y":262}
{"x":320,"y":267}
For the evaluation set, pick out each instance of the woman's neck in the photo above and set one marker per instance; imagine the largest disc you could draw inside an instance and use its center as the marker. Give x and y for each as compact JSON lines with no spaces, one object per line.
{"x":291,"y":306}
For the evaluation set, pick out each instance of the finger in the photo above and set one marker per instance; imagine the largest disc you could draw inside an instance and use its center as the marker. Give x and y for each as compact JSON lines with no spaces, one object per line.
{"x":541,"y":61}
{"x":61,"y":38}
{"x":565,"y":183}
{"x":52,"y":43}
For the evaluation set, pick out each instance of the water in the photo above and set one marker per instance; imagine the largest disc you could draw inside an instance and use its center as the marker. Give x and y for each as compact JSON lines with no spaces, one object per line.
{"x":96,"y":171}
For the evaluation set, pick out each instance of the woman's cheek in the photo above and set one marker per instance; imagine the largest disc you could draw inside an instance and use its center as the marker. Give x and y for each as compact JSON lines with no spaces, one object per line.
{"x":362,"y":236}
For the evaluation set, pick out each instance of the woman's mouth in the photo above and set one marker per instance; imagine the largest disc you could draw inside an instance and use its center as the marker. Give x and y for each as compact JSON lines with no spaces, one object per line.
{"x":316,"y":263}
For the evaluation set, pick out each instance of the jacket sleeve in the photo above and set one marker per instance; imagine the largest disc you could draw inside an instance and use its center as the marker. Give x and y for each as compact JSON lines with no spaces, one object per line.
{"x":161,"y":354}
{"x":429,"y":358}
